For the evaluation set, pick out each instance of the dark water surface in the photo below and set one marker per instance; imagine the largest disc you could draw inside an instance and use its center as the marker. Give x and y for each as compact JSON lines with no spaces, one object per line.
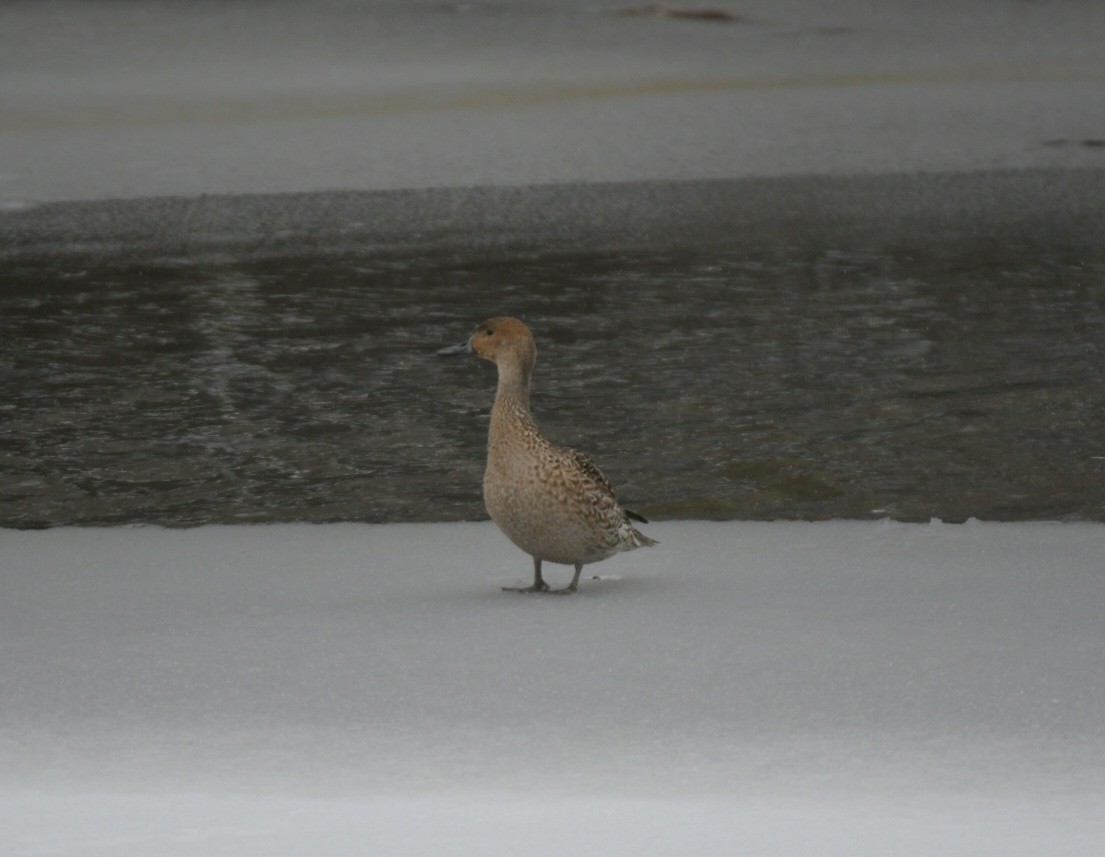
{"x":828,"y":367}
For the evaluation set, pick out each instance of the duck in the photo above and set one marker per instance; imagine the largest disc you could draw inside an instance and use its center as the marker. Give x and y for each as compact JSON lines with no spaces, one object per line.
{"x":551,"y":501}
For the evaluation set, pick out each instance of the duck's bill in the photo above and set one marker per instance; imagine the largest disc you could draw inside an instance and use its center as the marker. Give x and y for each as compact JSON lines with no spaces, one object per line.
{"x":464,"y":348}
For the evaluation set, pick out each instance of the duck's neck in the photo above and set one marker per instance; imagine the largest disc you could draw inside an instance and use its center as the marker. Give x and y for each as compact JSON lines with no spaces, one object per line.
{"x":511,"y":397}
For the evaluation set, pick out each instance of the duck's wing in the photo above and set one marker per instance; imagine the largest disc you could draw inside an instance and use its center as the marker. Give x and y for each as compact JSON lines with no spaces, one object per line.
{"x":598,"y":495}
{"x":591,"y":472}
{"x":588,"y":469}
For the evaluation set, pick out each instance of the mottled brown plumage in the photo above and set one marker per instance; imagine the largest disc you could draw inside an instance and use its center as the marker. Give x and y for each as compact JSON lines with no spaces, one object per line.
{"x":551,"y":501}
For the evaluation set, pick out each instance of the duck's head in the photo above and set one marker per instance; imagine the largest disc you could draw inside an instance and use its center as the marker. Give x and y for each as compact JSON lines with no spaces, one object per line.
{"x":503,"y":340}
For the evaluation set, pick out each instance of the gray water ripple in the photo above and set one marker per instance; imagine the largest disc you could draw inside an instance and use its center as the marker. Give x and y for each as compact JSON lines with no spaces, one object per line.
{"x":724,"y":385}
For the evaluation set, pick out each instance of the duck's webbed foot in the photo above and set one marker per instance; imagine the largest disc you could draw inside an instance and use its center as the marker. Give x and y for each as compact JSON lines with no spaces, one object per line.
{"x":537,"y":587}
{"x":539,"y":584}
{"x":571,"y":587}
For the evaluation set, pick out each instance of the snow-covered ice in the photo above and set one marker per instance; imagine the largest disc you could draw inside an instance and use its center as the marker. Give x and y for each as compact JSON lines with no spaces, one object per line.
{"x":102,"y":100}
{"x":773,"y":688}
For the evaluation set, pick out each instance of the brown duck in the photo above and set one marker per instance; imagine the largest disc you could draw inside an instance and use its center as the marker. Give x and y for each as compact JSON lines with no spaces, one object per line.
{"x":551,"y":501}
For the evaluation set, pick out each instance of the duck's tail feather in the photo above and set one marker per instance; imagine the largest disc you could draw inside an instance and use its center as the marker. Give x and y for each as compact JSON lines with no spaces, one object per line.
{"x":640,"y":540}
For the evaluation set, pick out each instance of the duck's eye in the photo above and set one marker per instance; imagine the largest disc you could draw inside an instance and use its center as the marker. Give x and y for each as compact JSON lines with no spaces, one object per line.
{"x":489,"y":332}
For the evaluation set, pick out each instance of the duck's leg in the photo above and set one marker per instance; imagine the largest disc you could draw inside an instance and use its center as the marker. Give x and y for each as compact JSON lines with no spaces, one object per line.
{"x":571,"y":587}
{"x":539,"y":584}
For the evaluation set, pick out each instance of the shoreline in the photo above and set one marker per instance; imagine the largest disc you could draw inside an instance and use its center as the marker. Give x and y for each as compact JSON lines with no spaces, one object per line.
{"x":942,"y":211}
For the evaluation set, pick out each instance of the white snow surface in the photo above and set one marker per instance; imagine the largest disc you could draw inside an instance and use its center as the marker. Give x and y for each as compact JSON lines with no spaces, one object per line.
{"x":841,"y":688}
{"x":101,"y":100}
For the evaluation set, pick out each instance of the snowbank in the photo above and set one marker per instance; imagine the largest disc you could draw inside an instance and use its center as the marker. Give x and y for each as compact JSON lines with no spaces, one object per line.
{"x":851,"y":687}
